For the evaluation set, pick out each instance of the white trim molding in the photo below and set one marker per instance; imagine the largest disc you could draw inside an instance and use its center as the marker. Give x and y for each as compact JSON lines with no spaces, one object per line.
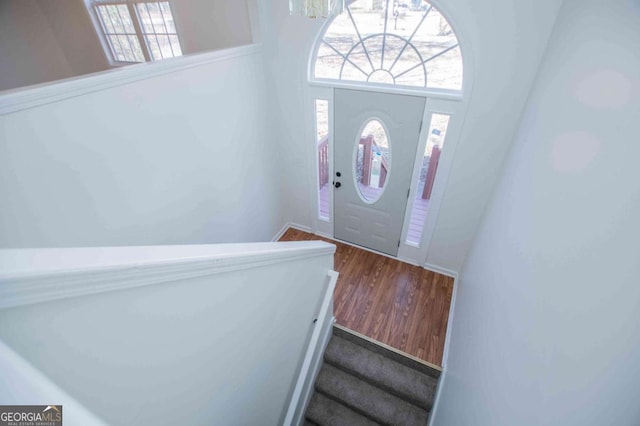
{"x":24,"y":98}
{"x":299,"y":227}
{"x":291,"y":225}
{"x":436,"y":400}
{"x":440,"y":270}
{"x":287,"y":226}
{"x":129,"y":267}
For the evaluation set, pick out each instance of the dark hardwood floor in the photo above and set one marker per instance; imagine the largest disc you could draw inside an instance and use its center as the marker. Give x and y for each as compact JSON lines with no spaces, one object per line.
{"x":398,"y":304}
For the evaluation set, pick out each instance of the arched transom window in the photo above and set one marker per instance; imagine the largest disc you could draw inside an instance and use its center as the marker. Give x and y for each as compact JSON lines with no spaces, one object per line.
{"x":405,"y":43}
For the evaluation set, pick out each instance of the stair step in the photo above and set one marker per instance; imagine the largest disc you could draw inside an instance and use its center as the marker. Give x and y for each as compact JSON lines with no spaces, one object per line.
{"x":400,"y":380}
{"x":363,"y":397}
{"x":387,"y":351}
{"x":324,"y":411}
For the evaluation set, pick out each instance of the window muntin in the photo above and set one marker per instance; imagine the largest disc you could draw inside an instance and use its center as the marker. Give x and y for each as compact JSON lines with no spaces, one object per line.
{"x":120,"y":33}
{"x":380,"y":42}
{"x":158,"y":29}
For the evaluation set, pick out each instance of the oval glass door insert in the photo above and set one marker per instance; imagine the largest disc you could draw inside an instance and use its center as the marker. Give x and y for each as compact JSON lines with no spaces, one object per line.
{"x":373,"y":161}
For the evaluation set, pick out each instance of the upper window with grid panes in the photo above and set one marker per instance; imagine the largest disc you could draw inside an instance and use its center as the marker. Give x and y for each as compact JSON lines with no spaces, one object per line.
{"x":138,"y":31}
{"x":390,"y":42}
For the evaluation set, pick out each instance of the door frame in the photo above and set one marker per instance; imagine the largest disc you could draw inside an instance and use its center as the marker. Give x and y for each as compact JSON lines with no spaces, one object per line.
{"x":436,"y":103}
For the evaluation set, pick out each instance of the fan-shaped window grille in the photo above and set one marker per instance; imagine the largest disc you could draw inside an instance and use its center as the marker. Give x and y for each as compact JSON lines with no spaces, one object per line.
{"x":388,"y":42}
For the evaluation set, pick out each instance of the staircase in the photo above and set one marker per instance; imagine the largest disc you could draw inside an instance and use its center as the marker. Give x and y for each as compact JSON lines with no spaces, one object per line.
{"x":363,"y":383}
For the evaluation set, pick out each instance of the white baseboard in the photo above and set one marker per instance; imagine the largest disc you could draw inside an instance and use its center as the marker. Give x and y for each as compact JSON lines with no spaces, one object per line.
{"x":312,"y":362}
{"x":300,"y":227}
{"x":440,"y":270}
{"x":280,"y":233}
{"x":434,"y":410}
{"x":322,"y":234}
{"x":447,"y":337}
{"x":290,"y":225}
{"x":330,"y":237}
{"x":407,"y":260}
{"x":445,"y":354}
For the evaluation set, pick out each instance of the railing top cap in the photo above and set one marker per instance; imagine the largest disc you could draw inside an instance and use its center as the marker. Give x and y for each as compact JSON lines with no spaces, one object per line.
{"x":19,"y":262}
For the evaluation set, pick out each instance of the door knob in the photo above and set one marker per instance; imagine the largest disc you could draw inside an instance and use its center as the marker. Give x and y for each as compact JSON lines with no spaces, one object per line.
{"x":337,"y":184}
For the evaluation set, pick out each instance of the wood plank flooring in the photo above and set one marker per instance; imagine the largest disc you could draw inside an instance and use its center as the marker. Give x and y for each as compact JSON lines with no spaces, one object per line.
{"x":400,"y":305}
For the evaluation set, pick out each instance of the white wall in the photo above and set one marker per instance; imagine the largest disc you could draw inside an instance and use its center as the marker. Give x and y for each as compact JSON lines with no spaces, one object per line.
{"x":211,"y":25}
{"x":29,"y":50}
{"x":546,"y":318}
{"x":200,"y":335}
{"x":74,"y":32}
{"x":186,"y":157}
{"x":22,"y":384}
{"x":504,"y":40}
{"x":42,"y":41}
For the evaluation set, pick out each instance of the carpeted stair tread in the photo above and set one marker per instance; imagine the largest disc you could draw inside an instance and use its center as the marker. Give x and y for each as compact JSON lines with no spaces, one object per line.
{"x":404,"y":382}
{"x":363,"y":397}
{"x":387,"y":352}
{"x":324,"y":411}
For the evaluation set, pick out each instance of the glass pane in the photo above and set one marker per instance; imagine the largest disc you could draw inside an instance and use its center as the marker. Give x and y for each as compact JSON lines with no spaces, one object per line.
{"x":106,"y":21}
{"x":175,"y":44}
{"x":137,"y":50}
{"x":116,"y":49}
{"x":156,"y":17}
{"x":126,"y":47}
{"x":327,"y":63}
{"x":110,"y":17}
{"x":168,"y":18}
{"x":341,"y":36}
{"x":446,"y":70}
{"x":322,"y":142}
{"x":373,"y":161}
{"x":354,"y":73}
{"x":126,"y":20}
{"x":116,"y":16}
{"x":165,"y":46}
{"x":153,"y":47}
{"x":435,"y":142}
{"x":145,"y":18}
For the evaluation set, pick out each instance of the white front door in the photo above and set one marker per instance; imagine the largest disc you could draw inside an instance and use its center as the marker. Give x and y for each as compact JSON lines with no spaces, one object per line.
{"x":376,"y":137}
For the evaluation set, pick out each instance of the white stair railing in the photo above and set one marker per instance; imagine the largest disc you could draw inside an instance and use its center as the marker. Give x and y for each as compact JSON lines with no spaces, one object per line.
{"x":158,"y":335}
